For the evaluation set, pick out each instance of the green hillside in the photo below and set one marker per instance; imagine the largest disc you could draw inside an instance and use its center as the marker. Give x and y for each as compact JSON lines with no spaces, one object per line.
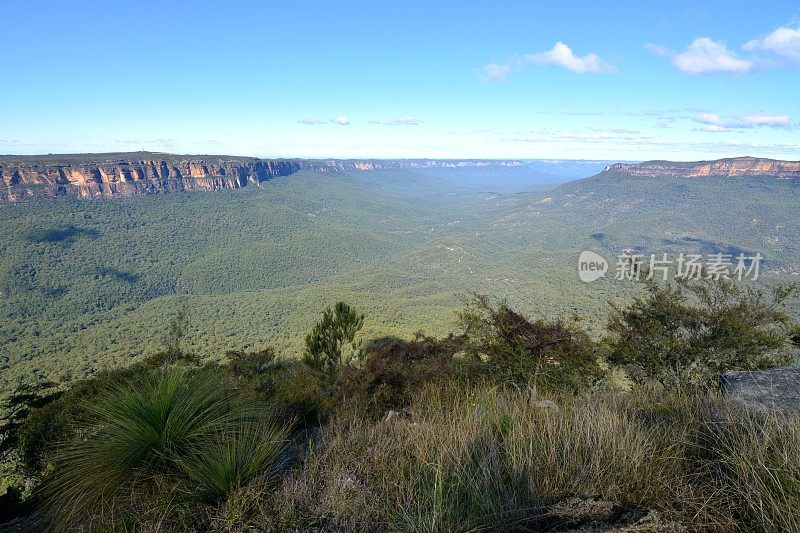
{"x":87,"y":285}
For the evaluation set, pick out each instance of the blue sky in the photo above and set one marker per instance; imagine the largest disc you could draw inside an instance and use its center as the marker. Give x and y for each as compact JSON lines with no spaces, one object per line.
{"x":639,"y":80}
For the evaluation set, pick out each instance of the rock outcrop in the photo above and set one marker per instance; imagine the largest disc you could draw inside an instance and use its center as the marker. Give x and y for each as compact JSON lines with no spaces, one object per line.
{"x":727,"y":168}
{"x":130,"y":174}
{"x":768,"y":391}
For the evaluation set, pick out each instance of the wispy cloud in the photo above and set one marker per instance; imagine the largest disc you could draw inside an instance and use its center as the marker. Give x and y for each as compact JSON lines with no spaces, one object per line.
{"x":399,"y":121}
{"x":560,"y":55}
{"x":311,"y":121}
{"x":494,"y":72}
{"x":314,"y":121}
{"x":637,"y":143}
{"x":783,"y":44}
{"x":717,"y":124}
{"x":704,"y":56}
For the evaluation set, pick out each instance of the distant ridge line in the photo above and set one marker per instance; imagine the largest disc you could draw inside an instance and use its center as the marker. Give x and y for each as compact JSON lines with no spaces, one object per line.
{"x":728,"y":167}
{"x":135,"y":173}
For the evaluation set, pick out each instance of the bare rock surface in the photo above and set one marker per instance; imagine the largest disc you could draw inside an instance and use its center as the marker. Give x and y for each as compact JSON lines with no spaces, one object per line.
{"x":768,"y":391}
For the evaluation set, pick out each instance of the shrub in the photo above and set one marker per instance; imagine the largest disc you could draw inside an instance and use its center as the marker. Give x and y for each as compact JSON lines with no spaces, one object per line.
{"x":173,"y":337}
{"x":300,"y":395}
{"x":548,"y":353}
{"x":48,"y":420}
{"x":689,"y":331}
{"x":395,"y":370}
{"x":249,"y":365}
{"x":256,"y":370}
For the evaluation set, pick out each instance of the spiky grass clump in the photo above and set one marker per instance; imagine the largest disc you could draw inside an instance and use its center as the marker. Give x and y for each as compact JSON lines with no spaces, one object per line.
{"x":132,"y":457}
{"x":234,"y":458}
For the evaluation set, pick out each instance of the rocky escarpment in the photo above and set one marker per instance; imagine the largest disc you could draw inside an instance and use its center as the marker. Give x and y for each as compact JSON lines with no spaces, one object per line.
{"x":92,"y":176}
{"x":130,"y":174}
{"x":731,"y":168}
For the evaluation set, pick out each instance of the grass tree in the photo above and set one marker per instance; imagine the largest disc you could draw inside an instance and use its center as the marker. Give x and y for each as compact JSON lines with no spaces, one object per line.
{"x":153,"y":441}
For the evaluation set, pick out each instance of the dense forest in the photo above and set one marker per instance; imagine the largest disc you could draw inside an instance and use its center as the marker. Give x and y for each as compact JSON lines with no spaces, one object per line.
{"x":85,"y":283}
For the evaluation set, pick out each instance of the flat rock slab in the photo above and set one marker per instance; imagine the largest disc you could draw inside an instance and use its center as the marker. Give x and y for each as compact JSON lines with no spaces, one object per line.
{"x":767,"y":391}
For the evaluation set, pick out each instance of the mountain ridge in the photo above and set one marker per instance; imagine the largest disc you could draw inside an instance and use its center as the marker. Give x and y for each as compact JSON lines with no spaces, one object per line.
{"x":126,"y":174}
{"x":136,"y":173}
{"x":728,"y":167}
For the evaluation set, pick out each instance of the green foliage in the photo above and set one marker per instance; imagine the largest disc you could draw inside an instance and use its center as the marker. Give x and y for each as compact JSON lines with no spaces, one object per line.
{"x":795,"y":336}
{"x":16,"y":409}
{"x":174,"y":335}
{"x":142,"y":438}
{"x":690,"y":331}
{"x":183,"y":447}
{"x":47,"y":416}
{"x":234,"y":458}
{"x":546,"y":353}
{"x":332,"y":342}
{"x":300,"y":393}
{"x":251,"y":365}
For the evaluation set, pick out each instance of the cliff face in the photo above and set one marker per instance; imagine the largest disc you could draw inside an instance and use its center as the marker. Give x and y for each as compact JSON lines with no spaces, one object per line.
{"x":122,"y":175}
{"x":21,"y":178}
{"x":726,"y":168}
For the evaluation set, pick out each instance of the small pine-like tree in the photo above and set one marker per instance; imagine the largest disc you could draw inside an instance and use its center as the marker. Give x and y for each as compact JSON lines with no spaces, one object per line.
{"x":332,"y":343}
{"x":171,"y":341}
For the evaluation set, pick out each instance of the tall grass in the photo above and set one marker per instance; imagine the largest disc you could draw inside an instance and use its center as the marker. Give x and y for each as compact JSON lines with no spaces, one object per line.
{"x":755,"y":462}
{"x":501,"y":459}
{"x":484,"y":459}
{"x":150,"y":443}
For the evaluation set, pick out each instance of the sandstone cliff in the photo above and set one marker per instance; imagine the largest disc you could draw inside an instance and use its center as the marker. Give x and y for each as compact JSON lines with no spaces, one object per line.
{"x":726,"y":168}
{"x":129,"y":174}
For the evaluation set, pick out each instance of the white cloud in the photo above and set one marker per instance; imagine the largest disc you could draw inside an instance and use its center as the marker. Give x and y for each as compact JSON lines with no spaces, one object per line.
{"x":784,"y":43}
{"x":716,"y":123}
{"x":310,"y":121}
{"x":704,"y":56}
{"x":399,"y":121}
{"x":560,"y":55}
{"x":341,"y":121}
